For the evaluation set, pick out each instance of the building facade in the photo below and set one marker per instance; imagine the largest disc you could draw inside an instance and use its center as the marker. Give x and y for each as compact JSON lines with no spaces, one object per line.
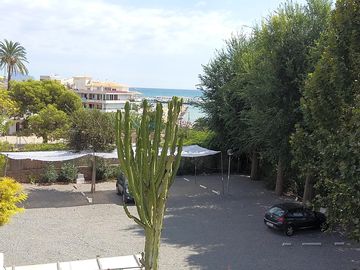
{"x":104,"y":96}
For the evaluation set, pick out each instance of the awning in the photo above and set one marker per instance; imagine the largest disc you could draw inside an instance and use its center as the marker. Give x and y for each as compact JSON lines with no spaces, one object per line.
{"x":51,"y":156}
{"x":45,"y":155}
{"x":197,"y":151}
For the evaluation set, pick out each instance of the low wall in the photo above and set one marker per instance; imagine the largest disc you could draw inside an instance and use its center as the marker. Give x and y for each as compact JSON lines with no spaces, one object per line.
{"x":25,"y":171}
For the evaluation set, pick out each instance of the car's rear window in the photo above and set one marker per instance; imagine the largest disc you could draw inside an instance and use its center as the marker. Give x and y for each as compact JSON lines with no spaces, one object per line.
{"x":276,"y":211}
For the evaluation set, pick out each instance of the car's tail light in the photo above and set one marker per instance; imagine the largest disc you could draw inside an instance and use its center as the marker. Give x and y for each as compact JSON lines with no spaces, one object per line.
{"x":281,"y":219}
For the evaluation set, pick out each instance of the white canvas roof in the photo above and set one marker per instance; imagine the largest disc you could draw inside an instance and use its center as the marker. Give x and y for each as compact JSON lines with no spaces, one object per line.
{"x":188,"y":151}
{"x":197,"y":151}
{"x":45,"y":155}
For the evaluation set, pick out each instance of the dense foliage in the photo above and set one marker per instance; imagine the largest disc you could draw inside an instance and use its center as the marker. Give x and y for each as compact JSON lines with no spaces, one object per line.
{"x":330,"y":131}
{"x":50,"y":124}
{"x":92,"y":130}
{"x":50,"y":174}
{"x":288,"y":96}
{"x":68,"y":172}
{"x":11,"y":193}
{"x":34,"y":96}
{"x":8,"y":108}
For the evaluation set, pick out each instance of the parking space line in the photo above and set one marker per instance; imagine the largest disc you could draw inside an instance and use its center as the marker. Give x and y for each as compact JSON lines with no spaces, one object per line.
{"x":186,"y":179}
{"x":216,"y":192}
{"x":311,"y":244}
{"x":203,"y":187}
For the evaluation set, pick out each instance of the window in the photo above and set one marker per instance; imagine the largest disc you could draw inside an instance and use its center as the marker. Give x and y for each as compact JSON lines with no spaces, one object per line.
{"x":276,"y":211}
{"x":296,"y":213}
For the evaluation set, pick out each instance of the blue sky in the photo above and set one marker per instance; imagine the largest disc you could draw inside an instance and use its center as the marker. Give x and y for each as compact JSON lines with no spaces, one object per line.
{"x":141,"y":43}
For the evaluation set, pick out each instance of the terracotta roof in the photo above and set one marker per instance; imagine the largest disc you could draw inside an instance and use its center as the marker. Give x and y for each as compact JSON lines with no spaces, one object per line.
{"x":106,"y":84}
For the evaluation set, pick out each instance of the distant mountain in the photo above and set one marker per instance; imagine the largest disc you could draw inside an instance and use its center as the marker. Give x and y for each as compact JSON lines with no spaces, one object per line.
{"x":20,"y":77}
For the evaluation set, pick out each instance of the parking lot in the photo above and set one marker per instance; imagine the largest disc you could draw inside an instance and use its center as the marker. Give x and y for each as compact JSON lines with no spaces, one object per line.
{"x":202,"y":229}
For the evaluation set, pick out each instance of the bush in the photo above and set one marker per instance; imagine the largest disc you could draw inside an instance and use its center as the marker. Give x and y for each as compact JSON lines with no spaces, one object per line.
{"x":50,"y":174}
{"x":68,"y":172}
{"x":105,"y":170}
{"x":4,"y":146}
{"x":45,"y":147}
{"x":11,"y":193}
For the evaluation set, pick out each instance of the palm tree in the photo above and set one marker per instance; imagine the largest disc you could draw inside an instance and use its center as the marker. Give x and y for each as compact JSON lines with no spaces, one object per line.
{"x":12,"y":58}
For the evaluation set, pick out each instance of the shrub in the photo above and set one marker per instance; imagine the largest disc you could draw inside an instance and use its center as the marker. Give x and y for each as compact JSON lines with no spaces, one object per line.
{"x":50,"y":174}
{"x":105,"y":171}
{"x":4,"y":146}
{"x":11,"y":193}
{"x":68,"y":172}
{"x":45,"y":147}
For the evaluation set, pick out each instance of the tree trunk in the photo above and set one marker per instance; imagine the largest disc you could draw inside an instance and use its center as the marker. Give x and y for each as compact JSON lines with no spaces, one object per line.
{"x":8,"y":78}
{"x":45,"y":139}
{"x":152,"y":240}
{"x":279,"y":178}
{"x":93,"y":175}
{"x":308,"y":190}
{"x":254,"y":166}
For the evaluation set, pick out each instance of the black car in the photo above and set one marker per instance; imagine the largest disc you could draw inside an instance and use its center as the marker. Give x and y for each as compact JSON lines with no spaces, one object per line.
{"x":290,"y":217}
{"x":122,"y":189}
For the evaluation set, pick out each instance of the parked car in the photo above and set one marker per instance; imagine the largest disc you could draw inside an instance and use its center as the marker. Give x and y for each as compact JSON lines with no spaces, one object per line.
{"x":122,"y":189}
{"x":290,"y":217}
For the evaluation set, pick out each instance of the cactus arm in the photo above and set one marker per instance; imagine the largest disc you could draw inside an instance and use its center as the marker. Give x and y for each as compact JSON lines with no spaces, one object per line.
{"x":138,"y":221}
{"x":177,"y":161}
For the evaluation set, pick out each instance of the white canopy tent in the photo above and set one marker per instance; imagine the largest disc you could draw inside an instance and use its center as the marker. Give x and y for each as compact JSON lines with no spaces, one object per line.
{"x":190,"y":151}
{"x":52,"y":156}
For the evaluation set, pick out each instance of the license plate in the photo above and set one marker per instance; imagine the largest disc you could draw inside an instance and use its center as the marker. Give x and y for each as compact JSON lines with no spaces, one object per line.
{"x":270,"y":224}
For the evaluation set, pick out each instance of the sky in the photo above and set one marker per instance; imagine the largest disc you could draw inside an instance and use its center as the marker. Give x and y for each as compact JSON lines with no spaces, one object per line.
{"x":140,"y":43}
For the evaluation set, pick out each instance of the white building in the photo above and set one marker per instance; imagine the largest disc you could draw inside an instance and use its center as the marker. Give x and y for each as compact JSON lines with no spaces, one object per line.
{"x":104,"y":96}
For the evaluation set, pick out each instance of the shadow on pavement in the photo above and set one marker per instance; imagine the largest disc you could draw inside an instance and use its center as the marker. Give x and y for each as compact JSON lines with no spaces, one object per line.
{"x":53,"y":198}
{"x":229,"y":233}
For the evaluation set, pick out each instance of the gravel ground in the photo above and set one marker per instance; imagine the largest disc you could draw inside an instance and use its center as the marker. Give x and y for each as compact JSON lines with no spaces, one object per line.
{"x":202,"y":230}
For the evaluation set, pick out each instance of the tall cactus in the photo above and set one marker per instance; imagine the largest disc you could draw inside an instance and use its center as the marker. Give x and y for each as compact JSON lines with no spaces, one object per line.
{"x":150,"y":170}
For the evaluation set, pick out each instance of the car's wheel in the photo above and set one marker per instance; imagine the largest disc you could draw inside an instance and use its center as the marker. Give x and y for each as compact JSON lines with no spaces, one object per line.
{"x":324,"y":226}
{"x":289,"y":230}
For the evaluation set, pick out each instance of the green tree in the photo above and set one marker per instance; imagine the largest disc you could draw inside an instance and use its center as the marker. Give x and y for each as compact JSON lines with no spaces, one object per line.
{"x":8,"y":108}
{"x":283,"y":45}
{"x":12,"y":59}
{"x":11,"y":193}
{"x":150,"y":175}
{"x":92,"y":130}
{"x":331,"y":108}
{"x":33,"y":96}
{"x":50,"y":124}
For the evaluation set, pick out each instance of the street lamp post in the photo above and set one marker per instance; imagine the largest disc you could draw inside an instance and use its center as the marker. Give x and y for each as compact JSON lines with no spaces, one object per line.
{"x":230,"y":153}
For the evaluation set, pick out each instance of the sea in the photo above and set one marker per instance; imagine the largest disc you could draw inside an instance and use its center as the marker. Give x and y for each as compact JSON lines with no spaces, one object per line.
{"x":192,"y":112}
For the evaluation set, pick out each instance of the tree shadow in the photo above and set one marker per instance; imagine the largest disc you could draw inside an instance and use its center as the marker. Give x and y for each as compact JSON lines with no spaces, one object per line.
{"x":54,"y":198}
{"x":229,"y":232}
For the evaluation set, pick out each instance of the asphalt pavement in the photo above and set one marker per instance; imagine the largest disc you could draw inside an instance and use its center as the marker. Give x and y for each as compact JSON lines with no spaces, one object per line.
{"x":203,"y":229}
